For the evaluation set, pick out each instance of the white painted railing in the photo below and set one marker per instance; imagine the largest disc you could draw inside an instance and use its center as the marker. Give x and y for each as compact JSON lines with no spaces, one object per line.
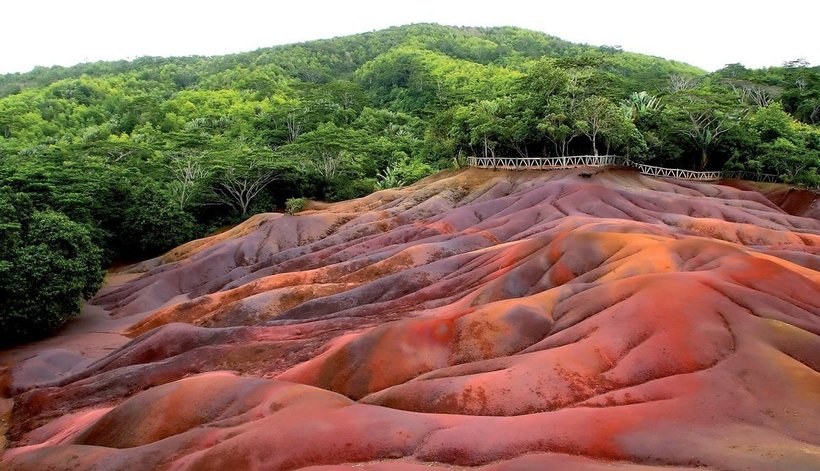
{"x":552,"y":163}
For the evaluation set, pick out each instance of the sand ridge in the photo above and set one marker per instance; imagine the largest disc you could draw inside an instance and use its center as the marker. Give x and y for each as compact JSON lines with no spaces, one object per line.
{"x":500,"y":320}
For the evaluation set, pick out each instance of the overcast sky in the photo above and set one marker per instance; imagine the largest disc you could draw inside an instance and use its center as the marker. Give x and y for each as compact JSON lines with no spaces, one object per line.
{"x":706,"y":33}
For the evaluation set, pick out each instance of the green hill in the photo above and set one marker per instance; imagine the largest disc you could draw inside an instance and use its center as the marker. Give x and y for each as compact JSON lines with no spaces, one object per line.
{"x":330,"y":59}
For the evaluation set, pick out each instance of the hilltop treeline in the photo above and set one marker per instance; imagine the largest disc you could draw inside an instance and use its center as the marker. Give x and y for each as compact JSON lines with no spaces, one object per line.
{"x":136,"y":157}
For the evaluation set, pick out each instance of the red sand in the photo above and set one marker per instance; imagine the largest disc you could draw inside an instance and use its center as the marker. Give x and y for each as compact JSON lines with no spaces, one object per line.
{"x":509,"y":321}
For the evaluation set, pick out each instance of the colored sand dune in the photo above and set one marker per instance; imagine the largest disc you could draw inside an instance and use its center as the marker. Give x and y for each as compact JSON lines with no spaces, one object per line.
{"x":499,"y":320}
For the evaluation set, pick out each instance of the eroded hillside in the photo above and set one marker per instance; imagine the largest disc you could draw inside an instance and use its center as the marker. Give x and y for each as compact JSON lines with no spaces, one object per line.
{"x":508,"y":320}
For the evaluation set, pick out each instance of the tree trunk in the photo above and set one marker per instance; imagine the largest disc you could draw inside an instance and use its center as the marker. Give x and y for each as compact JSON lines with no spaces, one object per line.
{"x":704,"y":159}
{"x":594,"y":147}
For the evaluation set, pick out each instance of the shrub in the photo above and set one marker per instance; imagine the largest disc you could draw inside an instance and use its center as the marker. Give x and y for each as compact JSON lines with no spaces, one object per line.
{"x":343,"y":188}
{"x":388,"y":178}
{"x":410,"y":170}
{"x":153,"y":224}
{"x":295,"y":205}
{"x":49,"y":266}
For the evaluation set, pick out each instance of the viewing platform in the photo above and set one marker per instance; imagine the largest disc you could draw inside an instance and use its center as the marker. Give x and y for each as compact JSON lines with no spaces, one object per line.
{"x":555,"y":163}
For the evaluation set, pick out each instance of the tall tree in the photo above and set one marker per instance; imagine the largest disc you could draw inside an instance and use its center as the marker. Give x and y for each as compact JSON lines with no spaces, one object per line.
{"x":705,"y":130}
{"x":242,"y":174}
{"x":560,"y":125}
{"x":597,"y":115}
{"x":188,"y":173}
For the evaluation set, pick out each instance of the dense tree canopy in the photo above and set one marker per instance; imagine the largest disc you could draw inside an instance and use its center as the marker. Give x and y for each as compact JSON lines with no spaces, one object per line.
{"x":141,"y":155}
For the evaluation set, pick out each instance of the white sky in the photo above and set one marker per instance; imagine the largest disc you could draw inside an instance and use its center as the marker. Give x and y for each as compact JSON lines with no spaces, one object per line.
{"x":705,"y":33}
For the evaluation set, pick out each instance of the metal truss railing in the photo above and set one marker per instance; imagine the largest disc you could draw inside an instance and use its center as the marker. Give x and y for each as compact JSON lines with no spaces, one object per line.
{"x":553,"y":163}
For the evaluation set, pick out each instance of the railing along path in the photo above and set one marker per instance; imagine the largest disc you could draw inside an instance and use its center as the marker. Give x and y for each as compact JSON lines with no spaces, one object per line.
{"x":553,"y":163}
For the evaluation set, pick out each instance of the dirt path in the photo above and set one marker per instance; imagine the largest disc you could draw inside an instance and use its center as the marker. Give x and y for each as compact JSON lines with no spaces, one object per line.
{"x":84,"y":339}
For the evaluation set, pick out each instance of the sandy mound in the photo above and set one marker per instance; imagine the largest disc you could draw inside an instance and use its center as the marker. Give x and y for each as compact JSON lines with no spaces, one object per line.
{"x":504,"y":320}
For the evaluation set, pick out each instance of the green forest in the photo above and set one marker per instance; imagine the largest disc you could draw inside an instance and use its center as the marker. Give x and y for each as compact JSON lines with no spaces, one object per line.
{"x":118,"y":161}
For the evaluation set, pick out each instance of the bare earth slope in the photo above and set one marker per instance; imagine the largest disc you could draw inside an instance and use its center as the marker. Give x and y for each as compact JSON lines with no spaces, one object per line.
{"x":500,"y":320}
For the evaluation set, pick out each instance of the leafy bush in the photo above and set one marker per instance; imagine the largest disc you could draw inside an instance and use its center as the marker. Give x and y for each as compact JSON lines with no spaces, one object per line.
{"x":389,"y":178}
{"x":295,"y":205}
{"x":343,"y":188}
{"x":48,"y":264}
{"x":412,"y":169}
{"x":154,"y":224}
